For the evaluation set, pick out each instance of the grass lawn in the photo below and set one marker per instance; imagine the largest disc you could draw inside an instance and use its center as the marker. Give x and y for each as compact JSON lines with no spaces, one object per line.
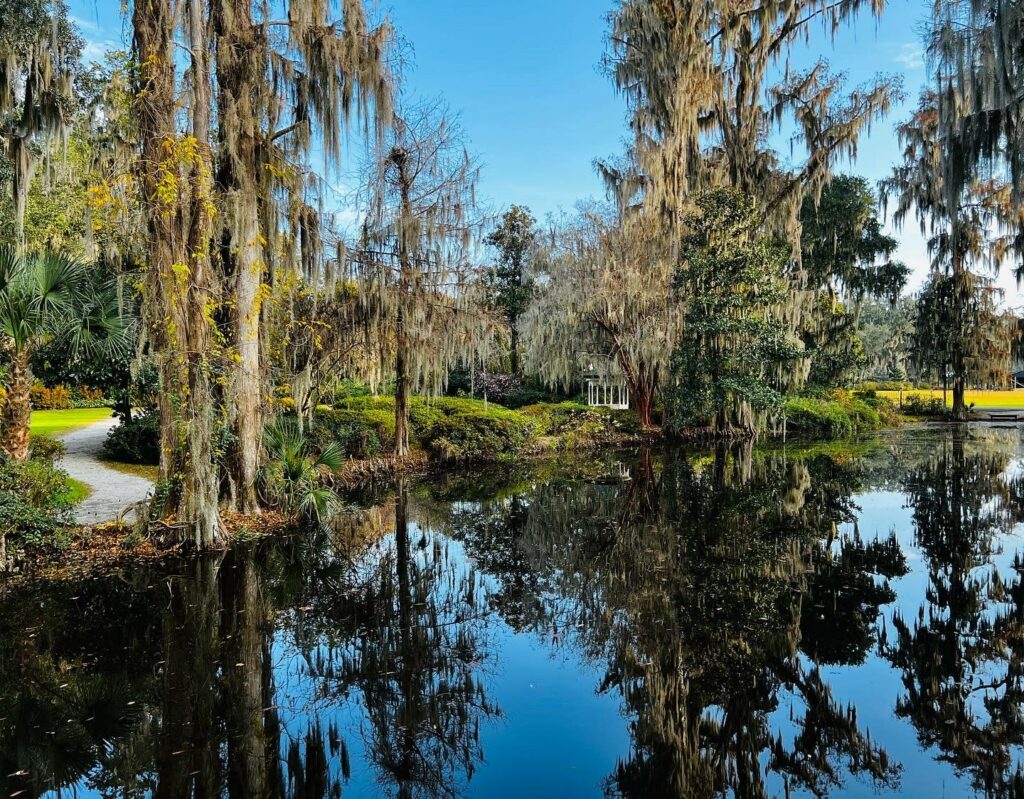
{"x":79,"y":491}
{"x":981,"y":399}
{"x":57,"y":423}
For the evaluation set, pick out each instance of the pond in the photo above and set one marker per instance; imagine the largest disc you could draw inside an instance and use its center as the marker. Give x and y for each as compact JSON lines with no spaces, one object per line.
{"x":833,"y":620}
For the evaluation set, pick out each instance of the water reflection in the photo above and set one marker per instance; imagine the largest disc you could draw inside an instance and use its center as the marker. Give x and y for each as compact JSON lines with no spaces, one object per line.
{"x":696,"y":586}
{"x":724,"y":600}
{"x":961,"y":653}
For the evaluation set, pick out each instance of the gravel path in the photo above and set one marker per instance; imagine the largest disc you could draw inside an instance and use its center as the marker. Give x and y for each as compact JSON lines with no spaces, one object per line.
{"x":112,"y":491}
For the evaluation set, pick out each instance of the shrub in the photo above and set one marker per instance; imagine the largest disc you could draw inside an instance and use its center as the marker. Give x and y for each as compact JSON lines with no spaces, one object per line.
{"x":57,"y":398}
{"x":87,"y":397}
{"x":922,"y":405}
{"x":360,"y":434}
{"x":293,"y":476}
{"x":35,"y":499}
{"x":46,"y":449}
{"x":137,"y":441}
{"x":580,"y":425}
{"x":838,"y":415}
{"x":479,"y":434}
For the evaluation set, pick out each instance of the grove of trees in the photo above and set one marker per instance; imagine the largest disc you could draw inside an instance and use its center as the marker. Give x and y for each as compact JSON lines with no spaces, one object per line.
{"x":180,"y":201}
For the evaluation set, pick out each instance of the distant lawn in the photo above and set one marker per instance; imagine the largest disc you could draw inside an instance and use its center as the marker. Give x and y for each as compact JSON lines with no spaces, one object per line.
{"x":981,"y":399}
{"x":57,"y":423}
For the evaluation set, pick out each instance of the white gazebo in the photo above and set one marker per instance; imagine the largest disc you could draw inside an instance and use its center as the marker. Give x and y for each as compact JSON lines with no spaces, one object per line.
{"x":605,"y":390}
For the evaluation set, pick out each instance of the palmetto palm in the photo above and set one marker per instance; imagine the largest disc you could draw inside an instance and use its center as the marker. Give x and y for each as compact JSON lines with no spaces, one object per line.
{"x":43,"y":297}
{"x":293,"y":475}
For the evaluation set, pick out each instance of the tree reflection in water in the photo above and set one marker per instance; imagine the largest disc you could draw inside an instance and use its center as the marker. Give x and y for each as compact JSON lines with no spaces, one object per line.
{"x":697,"y":585}
{"x":962,"y":655}
{"x":708,"y":591}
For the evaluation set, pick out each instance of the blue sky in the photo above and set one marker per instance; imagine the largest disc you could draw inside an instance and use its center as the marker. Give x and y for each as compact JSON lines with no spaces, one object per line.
{"x":524,"y":77}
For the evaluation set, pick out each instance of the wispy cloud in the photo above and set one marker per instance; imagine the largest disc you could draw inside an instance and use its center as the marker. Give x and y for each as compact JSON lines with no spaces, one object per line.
{"x":910,"y":55}
{"x":97,"y":40}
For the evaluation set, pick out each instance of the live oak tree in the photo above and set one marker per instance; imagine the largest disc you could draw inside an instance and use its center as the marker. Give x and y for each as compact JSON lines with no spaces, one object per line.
{"x":422,"y":290}
{"x":697,"y":77}
{"x":604,"y":298}
{"x":509,"y":283}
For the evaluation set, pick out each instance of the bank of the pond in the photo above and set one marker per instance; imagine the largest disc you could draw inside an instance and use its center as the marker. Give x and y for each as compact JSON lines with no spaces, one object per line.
{"x":445,"y":434}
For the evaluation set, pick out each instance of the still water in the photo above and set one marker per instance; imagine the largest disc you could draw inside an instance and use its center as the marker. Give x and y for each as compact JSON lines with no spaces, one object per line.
{"x":840,"y":620}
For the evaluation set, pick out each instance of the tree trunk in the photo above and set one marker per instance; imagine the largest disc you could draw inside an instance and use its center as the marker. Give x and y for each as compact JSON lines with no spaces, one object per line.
{"x":239,"y":72}
{"x":179,"y":283}
{"x":643,"y":401}
{"x":960,"y":301}
{"x":401,"y":400}
{"x":17,"y":412}
{"x":401,"y":342}
{"x":513,"y":343}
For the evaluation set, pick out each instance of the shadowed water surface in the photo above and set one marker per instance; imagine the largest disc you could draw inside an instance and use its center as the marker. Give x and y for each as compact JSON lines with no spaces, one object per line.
{"x":842,"y":620}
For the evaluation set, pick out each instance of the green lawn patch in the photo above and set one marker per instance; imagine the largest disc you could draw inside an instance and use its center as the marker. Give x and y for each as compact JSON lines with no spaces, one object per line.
{"x":78,"y":491}
{"x":57,"y":423}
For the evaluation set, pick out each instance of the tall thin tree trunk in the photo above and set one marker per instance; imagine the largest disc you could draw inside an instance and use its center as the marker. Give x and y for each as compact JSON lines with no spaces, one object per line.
{"x":401,"y":392}
{"x":239,"y":70}
{"x":402,"y":389}
{"x":179,"y":282}
{"x":513,"y":343}
{"x":17,"y":411}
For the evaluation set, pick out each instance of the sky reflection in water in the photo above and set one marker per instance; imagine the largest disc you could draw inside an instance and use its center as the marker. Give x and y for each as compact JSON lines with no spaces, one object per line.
{"x":838,"y":620}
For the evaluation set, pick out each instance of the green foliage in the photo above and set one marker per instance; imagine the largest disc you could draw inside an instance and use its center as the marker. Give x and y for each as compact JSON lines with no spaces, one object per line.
{"x":918,"y":405}
{"x":35,"y":497}
{"x":52,"y":297}
{"x":459,"y":428}
{"x":837,"y":351}
{"x":136,"y":441}
{"x":842,"y":242}
{"x":732,"y":279}
{"x":838,"y":415}
{"x":479,"y":434}
{"x":885,"y":331}
{"x":509,"y":285}
{"x":293,"y":477}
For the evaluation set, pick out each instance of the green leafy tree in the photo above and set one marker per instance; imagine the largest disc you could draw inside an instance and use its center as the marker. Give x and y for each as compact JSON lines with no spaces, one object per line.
{"x":847,"y":258}
{"x":45,"y":297}
{"x":508,"y":282}
{"x":734,"y":345}
{"x":843,"y":246}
